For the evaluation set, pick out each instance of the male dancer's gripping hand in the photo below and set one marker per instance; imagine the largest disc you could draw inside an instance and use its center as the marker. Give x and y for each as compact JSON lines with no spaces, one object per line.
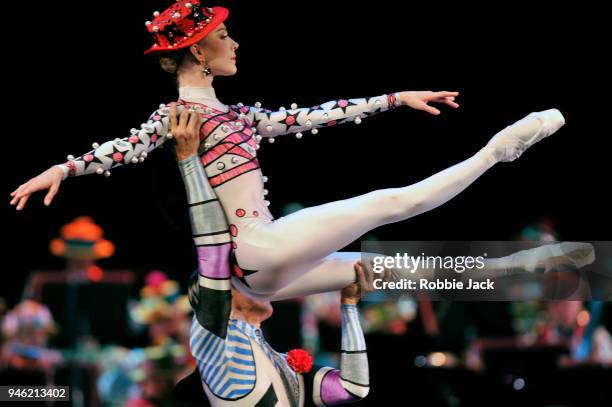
{"x":185,"y":129}
{"x":364,"y":283}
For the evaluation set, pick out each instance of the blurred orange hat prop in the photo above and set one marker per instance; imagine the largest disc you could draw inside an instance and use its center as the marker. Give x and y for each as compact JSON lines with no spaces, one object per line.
{"x":82,"y":239}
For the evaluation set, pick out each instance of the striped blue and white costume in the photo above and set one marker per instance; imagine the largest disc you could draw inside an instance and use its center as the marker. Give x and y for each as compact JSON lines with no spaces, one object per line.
{"x":236,"y":364}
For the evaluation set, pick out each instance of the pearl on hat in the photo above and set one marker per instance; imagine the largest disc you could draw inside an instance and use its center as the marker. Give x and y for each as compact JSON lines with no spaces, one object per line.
{"x":176,"y":15}
{"x":265,"y":192}
{"x":107,"y":173}
{"x":258,"y":105}
{"x":269,"y":127}
{"x":357,"y":120}
{"x":240,"y":104}
{"x":189,"y":34}
{"x":155,"y":28}
{"x":325,"y":115}
{"x":169,"y":136}
{"x":267,"y":203}
{"x":314,"y":131}
{"x":220,"y":165}
{"x":217,"y":136}
{"x":70,"y":157}
{"x":225,"y":128}
{"x":188,"y":5}
{"x":271,"y":140}
{"x":264,"y":178}
{"x":298,"y":135}
{"x":147,"y":23}
{"x":95,"y":145}
{"x":234,"y":160}
{"x":161,"y":106}
{"x":141,"y":159}
{"x":144,"y":154}
{"x":156,"y":14}
{"x":308,"y":122}
{"x":282,"y":108}
{"x":294,"y":106}
{"x":207,"y":145}
{"x":257,"y":146}
{"x":258,"y":138}
{"x":134,"y":160}
{"x":99,"y":171}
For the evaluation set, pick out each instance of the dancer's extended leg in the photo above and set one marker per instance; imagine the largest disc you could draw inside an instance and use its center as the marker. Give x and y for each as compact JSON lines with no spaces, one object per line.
{"x":292,"y":245}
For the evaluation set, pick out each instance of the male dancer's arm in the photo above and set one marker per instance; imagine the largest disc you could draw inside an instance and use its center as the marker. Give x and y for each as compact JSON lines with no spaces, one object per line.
{"x":330,"y":386}
{"x":213,"y":245}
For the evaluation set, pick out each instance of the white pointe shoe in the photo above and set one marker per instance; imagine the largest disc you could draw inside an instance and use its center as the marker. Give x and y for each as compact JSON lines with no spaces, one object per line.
{"x":511,"y":142}
{"x":553,"y":256}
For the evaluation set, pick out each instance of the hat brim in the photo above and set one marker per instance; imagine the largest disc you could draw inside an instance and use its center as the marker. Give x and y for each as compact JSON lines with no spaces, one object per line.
{"x":221,"y":14}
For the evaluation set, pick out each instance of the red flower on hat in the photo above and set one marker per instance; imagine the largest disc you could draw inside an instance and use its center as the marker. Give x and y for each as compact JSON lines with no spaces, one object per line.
{"x":299,"y":360}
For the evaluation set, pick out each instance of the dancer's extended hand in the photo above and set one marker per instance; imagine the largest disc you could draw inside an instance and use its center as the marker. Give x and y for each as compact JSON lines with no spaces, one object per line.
{"x":50,"y":179}
{"x":419,"y":100}
{"x":186,"y":131}
{"x":364,"y":283}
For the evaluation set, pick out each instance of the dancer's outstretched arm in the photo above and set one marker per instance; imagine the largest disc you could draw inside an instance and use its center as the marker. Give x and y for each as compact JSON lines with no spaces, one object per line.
{"x":271,"y":124}
{"x":328,"y":386}
{"x":101,"y":159}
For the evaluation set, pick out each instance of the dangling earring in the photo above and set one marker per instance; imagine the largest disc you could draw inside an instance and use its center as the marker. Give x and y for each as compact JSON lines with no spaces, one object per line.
{"x":205,"y":68}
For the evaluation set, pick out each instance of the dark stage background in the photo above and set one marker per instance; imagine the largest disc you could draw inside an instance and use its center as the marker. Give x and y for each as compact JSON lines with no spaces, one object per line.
{"x":77,"y":75}
{"x":84,"y":79}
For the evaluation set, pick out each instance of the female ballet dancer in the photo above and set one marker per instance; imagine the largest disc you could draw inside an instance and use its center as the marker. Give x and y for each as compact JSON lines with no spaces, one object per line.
{"x":294,"y":255}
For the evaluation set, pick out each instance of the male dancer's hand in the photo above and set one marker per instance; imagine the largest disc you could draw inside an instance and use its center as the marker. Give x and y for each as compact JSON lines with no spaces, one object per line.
{"x":420,"y":100}
{"x":364,"y":283}
{"x":186,"y":131}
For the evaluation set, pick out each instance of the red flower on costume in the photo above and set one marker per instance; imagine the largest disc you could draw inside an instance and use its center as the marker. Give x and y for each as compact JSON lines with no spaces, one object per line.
{"x":299,"y":360}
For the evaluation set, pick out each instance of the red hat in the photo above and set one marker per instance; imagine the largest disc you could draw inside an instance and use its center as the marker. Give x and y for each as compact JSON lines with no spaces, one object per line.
{"x":183,"y":24}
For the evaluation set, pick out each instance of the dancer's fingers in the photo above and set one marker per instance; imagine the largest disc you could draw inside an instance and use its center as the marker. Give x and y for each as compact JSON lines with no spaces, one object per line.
{"x":173,"y":121}
{"x":16,"y":192}
{"x":451,"y":103}
{"x":194,"y":124}
{"x":446,"y":93}
{"x":51,"y":194}
{"x":24,"y":189}
{"x":370,"y":276}
{"x":430,"y":109}
{"x":183,"y":119}
{"x":22,"y":202}
{"x":361,"y":278}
